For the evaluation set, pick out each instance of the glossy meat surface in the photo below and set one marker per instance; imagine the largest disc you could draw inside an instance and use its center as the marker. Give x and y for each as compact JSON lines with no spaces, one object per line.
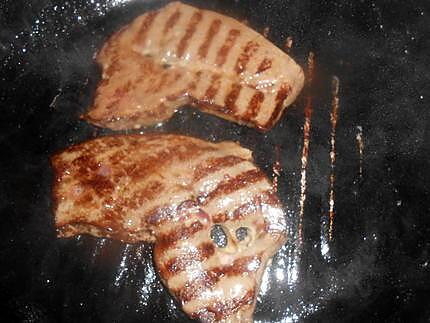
{"x":173,"y":190}
{"x":183,"y":55}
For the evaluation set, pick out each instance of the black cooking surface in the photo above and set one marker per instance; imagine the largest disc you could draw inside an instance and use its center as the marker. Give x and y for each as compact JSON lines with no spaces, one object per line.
{"x":375,"y":267}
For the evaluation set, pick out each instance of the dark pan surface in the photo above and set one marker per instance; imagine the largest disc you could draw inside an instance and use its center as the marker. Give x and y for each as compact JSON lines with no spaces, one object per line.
{"x":376,"y":267}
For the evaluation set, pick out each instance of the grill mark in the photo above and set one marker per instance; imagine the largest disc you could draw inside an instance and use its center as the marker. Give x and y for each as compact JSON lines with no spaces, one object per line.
{"x":158,"y":216}
{"x":254,"y":106}
{"x":111,"y":47}
{"x":173,"y":19}
{"x":178,"y":94}
{"x":182,"y":232}
{"x":228,"y":44}
{"x":193,"y":84}
{"x":264,"y":65}
{"x":231,"y":98}
{"x":144,"y":28}
{"x":237,"y":267}
{"x":167,"y":79}
{"x":243,"y":59}
{"x":212,"y":31}
{"x":191,"y":29}
{"x":223,"y":308}
{"x":186,"y":92}
{"x":162,"y":159}
{"x":211,"y":106}
{"x":234,"y":184}
{"x":177,"y":264}
{"x":255,"y":205}
{"x":282,"y":94}
{"x":209,"y":278}
{"x":214,"y":164}
{"x":213,"y":87}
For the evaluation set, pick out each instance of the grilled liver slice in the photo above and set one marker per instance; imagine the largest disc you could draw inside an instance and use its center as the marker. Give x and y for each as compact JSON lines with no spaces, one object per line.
{"x":181,"y":55}
{"x":176,"y":191}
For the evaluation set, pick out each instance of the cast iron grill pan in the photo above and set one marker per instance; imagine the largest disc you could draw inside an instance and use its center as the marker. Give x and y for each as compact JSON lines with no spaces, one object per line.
{"x":375,"y":267}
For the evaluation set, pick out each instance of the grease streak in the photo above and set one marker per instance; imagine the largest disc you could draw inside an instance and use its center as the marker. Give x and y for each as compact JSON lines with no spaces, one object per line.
{"x":333,"y":120}
{"x":306,"y":141}
{"x":276,"y":168}
{"x":360,"y":147}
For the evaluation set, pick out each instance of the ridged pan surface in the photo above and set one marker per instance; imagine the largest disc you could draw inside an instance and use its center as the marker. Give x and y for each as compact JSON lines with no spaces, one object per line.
{"x":350,"y":160}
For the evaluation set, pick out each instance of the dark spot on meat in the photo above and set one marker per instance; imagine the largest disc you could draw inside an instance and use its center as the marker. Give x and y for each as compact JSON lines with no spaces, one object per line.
{"x":241,"y":233}
{"x":219,"y":236}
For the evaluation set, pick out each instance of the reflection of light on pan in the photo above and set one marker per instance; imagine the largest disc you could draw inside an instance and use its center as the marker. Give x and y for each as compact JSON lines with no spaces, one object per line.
{"x":148,"y":282}
{"x":265,"y":283}
{"x":98,"y":249}
{"x":276,"y":168}
{"x":360,"y":146}
{"x":284,"y":270}
{"x":333,"y":119}
{"x":54,"y":102}
{"x":99,"y":246}
{"x":324,"y":241}
{"x":306,"y":140}
{"x":292,"y":268}
{"x":122,"y":268}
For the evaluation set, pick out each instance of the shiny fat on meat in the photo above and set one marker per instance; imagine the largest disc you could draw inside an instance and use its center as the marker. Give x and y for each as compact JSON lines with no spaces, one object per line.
{"x":175,"y":191}
{"x":181,"y":55}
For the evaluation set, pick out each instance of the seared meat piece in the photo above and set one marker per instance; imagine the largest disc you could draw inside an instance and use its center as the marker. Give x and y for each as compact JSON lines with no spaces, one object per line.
{"x":211,"y":213}
{"x":183,"y":55}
